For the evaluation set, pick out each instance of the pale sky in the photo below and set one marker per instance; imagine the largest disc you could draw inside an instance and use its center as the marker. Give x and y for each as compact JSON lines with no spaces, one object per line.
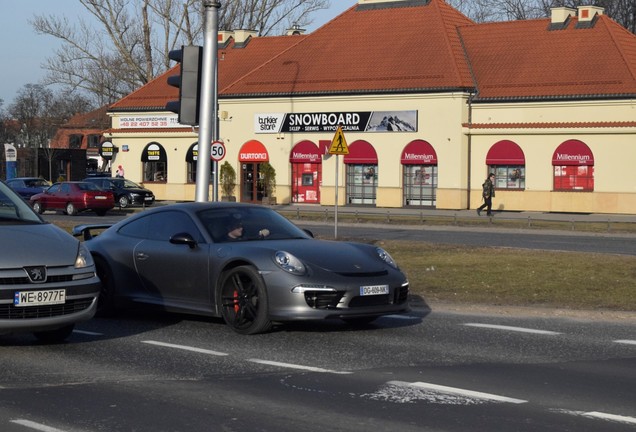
{"x":25,"y":51}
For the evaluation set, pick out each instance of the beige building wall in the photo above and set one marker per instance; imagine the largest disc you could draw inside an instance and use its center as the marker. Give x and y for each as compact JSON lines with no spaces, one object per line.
{"x":538,"y":128}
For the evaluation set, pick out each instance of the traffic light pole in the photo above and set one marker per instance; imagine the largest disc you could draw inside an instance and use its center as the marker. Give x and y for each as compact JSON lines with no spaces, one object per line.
{"x":208,"y":102}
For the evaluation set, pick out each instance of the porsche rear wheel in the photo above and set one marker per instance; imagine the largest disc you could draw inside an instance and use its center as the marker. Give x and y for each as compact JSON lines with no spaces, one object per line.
{"x":244,"y":301}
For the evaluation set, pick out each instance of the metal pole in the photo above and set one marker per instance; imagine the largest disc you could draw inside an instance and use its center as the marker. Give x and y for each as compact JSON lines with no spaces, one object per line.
{"x":207,"y":98}
{"x":335,"y":216}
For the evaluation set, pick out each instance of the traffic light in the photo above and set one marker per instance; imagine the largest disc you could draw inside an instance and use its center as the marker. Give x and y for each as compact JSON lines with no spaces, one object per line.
{"x":188,"y":82}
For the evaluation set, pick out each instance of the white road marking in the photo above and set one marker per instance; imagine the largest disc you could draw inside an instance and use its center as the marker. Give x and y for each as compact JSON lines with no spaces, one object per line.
{"x":185,"y":348}
{"x":36,"y":426}
{"x":295,"y":366}
{"x":612,"y":417}
{"x":510,"y":328}
{"x":458,"y":391}
{"x":600,"y":416}
{"x":626,"y":341}
{"x":88,"y":333}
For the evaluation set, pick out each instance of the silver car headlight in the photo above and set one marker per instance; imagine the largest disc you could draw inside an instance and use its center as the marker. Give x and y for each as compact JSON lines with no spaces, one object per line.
{"x":384,"y":256}
{"x":289,"y":263}
{"x":84,"y":258}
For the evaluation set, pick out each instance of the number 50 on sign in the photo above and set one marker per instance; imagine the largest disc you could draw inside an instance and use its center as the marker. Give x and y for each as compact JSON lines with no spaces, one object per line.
{"x":217,"y":152}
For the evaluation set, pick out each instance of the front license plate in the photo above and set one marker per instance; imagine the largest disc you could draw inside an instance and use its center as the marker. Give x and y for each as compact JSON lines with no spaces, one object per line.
{"x":38,"y":298}
{"x":374,"y":290}
{"x":148,"y":198}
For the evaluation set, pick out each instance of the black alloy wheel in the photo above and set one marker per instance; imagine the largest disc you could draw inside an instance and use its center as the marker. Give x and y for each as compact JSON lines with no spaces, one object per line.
{"x":244,"y":302}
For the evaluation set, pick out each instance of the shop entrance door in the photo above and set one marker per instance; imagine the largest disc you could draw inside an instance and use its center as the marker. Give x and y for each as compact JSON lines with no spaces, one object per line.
{"x":251,"y":187}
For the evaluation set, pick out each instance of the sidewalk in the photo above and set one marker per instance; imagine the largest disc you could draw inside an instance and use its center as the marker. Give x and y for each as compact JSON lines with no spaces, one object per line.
{"x":450,"y":214}
{"x":461,"y":214}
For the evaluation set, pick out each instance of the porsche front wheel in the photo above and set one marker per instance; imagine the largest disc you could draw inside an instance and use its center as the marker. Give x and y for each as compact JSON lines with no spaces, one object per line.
{"x":244,"y":300}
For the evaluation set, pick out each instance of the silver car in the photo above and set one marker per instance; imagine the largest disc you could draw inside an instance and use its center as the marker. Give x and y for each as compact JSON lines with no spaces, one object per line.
{"x":245,"y":263}
{"x":48,"y":280}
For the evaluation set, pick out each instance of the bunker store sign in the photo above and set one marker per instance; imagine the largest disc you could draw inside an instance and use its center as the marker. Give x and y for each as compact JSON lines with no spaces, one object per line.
{"x":363,"y":121}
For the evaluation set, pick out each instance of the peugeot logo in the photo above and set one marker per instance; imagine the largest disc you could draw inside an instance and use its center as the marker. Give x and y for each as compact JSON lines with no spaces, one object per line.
{"x":36,"y":274}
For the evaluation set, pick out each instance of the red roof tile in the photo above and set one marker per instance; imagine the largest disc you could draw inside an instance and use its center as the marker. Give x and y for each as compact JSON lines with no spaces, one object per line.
{"x":412,"y":47}
{"x":524,"y":59}
{"x":423,"y":46}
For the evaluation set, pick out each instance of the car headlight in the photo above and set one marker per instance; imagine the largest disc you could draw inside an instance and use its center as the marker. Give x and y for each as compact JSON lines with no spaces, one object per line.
{"x":289,"y":263}
{"x":84,"y":258}
{"x":384,"y":256}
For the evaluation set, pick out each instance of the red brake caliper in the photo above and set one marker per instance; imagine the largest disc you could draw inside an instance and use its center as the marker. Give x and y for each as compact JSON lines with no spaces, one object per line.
{"x":236,"y":302}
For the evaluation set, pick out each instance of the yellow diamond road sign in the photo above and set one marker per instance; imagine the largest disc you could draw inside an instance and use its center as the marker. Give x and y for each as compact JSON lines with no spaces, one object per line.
{"x":339,"y":144}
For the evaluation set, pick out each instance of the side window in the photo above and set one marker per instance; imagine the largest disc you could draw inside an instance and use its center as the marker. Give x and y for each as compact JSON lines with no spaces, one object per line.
{"x":66,"y":188}
{"x":164,"y":225}
{"x":137,"y":228}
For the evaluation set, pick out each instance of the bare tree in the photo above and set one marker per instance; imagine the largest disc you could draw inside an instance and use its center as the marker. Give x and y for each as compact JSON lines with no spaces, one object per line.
{"x":39,"y":113}
{"x":126,"y":43}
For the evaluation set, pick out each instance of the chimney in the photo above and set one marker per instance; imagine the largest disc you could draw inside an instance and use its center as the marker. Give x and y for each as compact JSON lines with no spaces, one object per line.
{"x":296,"y":30}
{"x":561,"y":14}
{"x":224,"y":37}
{"x":587,"y":13}
{"x":242,"y":37}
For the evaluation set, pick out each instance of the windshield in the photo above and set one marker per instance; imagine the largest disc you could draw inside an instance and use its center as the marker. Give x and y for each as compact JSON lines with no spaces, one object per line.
{"x":14,"y":209}
{"x":240,"y":224}
{"x":126,"y":184}
{"x":36,"y":183}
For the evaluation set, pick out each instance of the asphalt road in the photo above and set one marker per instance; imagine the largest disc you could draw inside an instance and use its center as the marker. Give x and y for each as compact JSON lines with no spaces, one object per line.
{"x":426,"y":371}
{"x":429,"y":370}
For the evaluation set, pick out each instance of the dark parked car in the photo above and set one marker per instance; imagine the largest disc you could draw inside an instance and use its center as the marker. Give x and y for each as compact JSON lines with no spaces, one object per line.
{"x":73,"y":197}
{"x":47,"y":277}
{"x":126,"y":192}
{"x":28,"y":186}
{"x":244,"y":262}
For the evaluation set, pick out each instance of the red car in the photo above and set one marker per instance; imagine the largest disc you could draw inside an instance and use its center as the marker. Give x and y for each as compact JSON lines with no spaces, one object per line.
{"x":73,"y":197}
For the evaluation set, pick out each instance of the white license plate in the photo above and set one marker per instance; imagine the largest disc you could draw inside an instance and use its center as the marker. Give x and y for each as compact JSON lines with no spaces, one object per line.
{"x":101,"y":197}
{"x":148,"y":198}
{"x":38,"y":298}
{"x":370,"y":290}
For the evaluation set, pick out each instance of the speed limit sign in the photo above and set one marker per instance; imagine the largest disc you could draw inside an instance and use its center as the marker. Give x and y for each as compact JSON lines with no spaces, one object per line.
{"x":217,"y":152}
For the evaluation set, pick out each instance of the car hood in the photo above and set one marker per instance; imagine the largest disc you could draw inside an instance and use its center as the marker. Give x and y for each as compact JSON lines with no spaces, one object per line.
{"x":333,"y":256}
{"x":139,"y":191}
{"x":40,"y":244}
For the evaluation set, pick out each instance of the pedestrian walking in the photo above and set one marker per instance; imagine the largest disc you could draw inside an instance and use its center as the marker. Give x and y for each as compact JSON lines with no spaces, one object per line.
{"x":488,"y":193}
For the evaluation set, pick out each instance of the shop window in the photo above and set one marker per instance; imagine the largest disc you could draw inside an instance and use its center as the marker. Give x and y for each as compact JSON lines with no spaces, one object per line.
{"x":155,"y":171}
{"x":573,"y":167}
{"x":362,"y":181}
{"x":511,"y":177}
{"x":420,"y":185}
{"x":573,"y":178}
{"x":155,"y":163}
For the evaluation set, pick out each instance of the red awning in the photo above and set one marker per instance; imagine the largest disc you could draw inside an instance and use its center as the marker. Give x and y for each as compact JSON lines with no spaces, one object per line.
{"x":573,"y":152}
{"x":305,"y":152}
{"x":419,"y":152}
{"x":361,"y":152}
{"x":253,"y":151}
{"x":505,"y":153}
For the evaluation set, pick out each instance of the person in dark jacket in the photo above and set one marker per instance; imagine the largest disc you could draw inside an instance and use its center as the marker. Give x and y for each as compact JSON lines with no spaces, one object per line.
{"x":488,"y":193}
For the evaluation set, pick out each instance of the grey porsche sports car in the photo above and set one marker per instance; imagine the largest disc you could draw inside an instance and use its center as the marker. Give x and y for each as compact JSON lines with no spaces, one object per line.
{"x":47,"y":278}
{"x":243,"y":262}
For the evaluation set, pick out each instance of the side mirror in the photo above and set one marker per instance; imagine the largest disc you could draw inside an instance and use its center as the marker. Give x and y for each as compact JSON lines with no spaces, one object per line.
{"x":184,"y":239}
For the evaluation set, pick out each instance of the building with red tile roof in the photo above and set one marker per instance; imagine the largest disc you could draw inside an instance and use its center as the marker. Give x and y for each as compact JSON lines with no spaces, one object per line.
{"x":430,"y":102}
